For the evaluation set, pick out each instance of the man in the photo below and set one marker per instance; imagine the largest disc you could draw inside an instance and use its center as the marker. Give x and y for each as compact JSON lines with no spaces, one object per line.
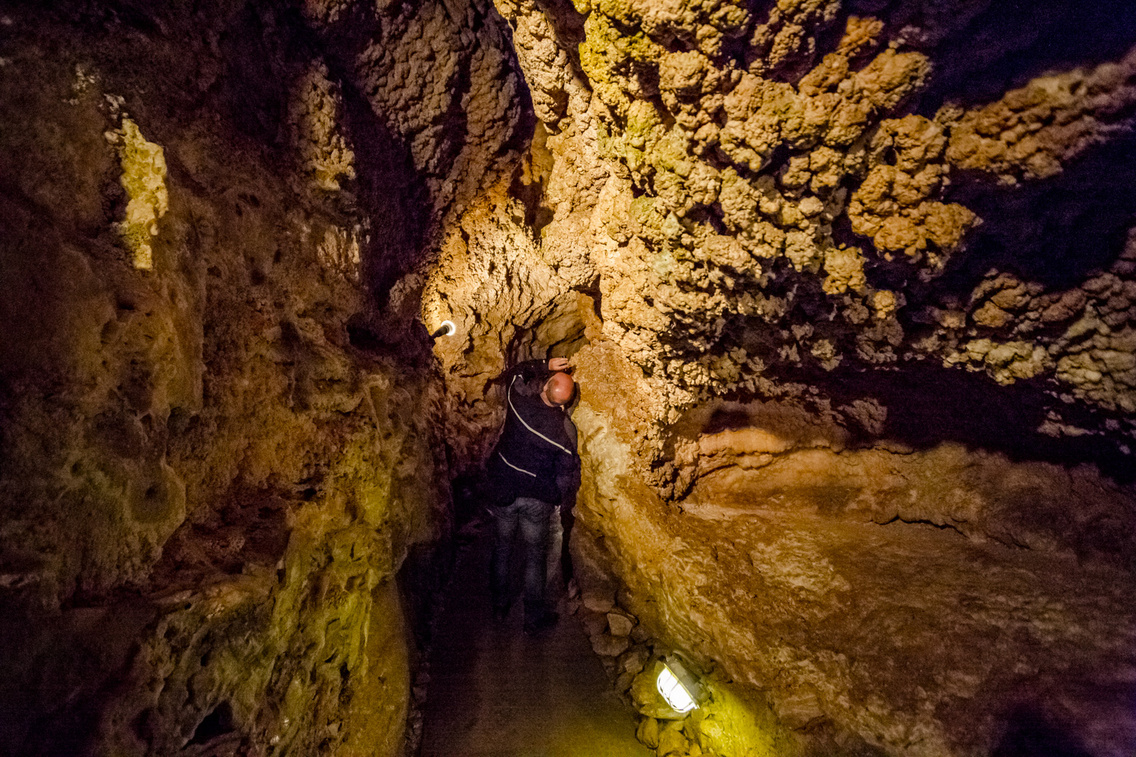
{"x":530,"y":468}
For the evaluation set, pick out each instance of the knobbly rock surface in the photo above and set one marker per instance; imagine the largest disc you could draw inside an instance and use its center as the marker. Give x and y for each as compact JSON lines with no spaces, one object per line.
{"x":847,"y":289}
{"x":214,"y":460}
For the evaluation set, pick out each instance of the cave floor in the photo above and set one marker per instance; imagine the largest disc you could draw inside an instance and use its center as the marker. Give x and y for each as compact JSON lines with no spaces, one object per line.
{"x":495,"y":692}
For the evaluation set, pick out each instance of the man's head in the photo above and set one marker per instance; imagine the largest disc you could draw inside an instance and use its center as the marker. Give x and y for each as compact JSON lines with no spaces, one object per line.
{"x":558,"y":389}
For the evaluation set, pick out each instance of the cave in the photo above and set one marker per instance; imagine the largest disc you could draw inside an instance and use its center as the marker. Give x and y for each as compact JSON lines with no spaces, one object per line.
{"x":847,"y":287}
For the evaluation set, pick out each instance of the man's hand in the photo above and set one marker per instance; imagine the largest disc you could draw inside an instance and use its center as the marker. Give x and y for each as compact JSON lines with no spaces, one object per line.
{"x":558,"y":364}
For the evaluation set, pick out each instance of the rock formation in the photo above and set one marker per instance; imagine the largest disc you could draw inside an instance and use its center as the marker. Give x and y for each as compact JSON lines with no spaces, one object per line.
{"x":215,"y":463}
{"x":850,"y":288}
{"x":851,"y":307}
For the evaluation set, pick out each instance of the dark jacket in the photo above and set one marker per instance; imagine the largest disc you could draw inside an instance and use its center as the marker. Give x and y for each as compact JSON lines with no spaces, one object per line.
{"x":538,"y":443}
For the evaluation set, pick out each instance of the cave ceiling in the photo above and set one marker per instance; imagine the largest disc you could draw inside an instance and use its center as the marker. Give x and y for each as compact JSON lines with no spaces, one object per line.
{"x":914,"y":206}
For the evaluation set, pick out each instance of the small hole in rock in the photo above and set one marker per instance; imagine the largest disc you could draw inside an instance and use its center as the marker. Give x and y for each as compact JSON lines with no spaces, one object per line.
{"x":143,"y":725}
{"x":216,"y":723}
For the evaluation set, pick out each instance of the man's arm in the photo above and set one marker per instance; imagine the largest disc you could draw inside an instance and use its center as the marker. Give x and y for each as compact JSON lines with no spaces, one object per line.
{"x":568,"y":468}
{"x":529,"y":372}
{"x":538,"y":370}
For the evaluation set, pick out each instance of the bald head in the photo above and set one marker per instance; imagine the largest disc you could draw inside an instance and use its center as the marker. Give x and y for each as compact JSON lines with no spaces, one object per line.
{"x":558,"y":389}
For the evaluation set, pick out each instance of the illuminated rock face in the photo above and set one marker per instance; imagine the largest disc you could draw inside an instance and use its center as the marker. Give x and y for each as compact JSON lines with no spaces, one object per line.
{"x":911,"y":600}
{"x":214,"y":463}
{"x":849,"y":287}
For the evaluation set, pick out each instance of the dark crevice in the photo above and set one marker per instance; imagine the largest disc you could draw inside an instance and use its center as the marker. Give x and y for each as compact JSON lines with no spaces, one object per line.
{"x":391,"y":190}
{"x":219,"y":722}
{"x":1029,"y":733}
{"x":919,"y":522}
{"x":1057,"y":231}
{"x":1013,"y":41}
{"x":929,"y":404}
{"x":259,"y":109}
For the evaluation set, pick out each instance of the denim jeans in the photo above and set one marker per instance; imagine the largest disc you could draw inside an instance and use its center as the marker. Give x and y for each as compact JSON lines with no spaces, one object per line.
{"x":532,"y":517}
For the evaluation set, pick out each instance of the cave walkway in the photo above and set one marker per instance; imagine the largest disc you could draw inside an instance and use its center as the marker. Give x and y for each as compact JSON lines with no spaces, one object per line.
{"x":495,"y":692}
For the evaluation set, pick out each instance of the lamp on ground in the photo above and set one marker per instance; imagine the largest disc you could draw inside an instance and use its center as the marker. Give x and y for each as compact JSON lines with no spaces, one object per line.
{"x":678,"y":685}
{"x":446,"y":329}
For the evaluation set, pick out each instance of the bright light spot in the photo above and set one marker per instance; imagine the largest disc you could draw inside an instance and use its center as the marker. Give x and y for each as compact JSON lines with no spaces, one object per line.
{"x":446,"y":329}
{"x":674,"y":692}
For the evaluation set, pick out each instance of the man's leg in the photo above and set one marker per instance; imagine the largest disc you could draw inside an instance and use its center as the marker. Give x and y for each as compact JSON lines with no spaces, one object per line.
{"x":505,"y":527}
{"x":567,"y":521}
{"x":555,"y":574}
{"x":534,"y":517}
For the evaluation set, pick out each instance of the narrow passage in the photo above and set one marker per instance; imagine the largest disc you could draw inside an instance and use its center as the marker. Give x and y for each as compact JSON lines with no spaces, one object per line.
{"x":495,"y":692}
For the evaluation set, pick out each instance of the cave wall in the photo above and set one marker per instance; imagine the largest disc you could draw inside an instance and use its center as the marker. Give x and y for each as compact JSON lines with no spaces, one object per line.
{"x":849,"y":289}
{"x":216,"y":451}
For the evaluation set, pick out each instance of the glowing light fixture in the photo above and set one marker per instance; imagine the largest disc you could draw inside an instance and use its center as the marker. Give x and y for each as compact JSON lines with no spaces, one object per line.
{"x":446,"y":329}
{"x":678,"y":685}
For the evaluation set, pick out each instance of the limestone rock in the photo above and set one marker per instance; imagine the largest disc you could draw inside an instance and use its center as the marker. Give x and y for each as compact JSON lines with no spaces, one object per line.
{"x":806,"y":562}
{"x":855,"y":351}
{"x":648,"y":732}
{"x":595,"y":624}
{"x":619,"y":623}
{"x":671,"y":740}
{"x":854,"y":321}
{"x":221,"y":459}
{"x":606,"y":645}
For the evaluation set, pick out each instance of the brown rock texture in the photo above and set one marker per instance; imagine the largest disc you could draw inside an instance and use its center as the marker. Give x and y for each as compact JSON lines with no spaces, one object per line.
{"x":849,"y":286}
{"x":912,"y":601}
{"x":846,"y":286}
{"x":215,"y":460}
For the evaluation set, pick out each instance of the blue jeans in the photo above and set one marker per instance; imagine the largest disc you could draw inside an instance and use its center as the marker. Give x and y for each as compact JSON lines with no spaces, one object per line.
{"x":532,"y":516}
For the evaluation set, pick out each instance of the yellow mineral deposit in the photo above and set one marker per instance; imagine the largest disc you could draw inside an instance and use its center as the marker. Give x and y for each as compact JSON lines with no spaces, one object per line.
{"x":144,"y":179}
